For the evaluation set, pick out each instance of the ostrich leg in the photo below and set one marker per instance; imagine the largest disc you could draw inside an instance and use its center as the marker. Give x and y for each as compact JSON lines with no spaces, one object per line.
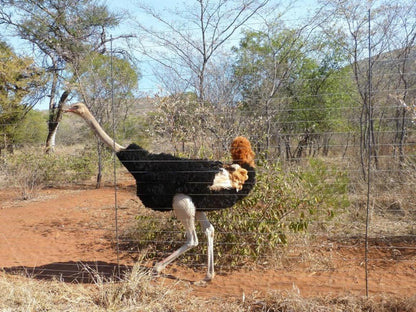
{"x":209,"y":232}
{"x":185,"y":211}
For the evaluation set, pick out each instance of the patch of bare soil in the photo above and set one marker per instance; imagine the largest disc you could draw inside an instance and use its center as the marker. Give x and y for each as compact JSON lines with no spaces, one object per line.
{"x":68,"y":233}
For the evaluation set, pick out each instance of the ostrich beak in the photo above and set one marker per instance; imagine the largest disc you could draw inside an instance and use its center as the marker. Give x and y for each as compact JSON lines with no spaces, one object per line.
{"x":68,"y":110}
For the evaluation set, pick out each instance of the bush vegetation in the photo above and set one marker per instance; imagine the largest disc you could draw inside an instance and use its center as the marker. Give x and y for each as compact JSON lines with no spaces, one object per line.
{"x":31,"y":169}
{"x":282,"y":201}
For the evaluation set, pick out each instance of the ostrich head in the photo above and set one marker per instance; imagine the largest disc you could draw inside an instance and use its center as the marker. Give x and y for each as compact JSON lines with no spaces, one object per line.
{"x":79,"y":109}
{"x":241,"y":151}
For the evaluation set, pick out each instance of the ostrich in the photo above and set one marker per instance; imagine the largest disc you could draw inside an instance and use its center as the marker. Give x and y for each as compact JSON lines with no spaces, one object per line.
{"x":189,"y":187}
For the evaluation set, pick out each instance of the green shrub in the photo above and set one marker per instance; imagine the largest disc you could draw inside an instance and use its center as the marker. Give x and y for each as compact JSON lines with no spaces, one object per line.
{"x":30,"y":170}
{"x":280,"y":203}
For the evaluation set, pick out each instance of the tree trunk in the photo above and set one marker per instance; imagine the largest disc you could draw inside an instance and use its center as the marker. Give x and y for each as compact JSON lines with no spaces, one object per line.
{"x":303,"y":143}
{"x":55,"y":116}
{"x":402,"y":137}
{"x":287,"y":147}
{"x":100,"y":165}
{"x":50,"y":140}
{"x":325,"y":142}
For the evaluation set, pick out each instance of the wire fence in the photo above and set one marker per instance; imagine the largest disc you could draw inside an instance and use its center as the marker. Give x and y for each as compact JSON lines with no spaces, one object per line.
{"x":338,"y":244}
{"x":74,"y":232}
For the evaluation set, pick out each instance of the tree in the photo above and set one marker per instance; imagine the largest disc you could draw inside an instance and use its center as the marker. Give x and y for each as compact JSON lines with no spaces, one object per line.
{"x":317,"y":92}
{"x":192,"y":39}
{"x":189,"y":52}
{"x":19,"y":82}
{"x":62,"y":33}
{"x":179,"y":119}
{"x":263,"y":65}
{"x":402,"y":43}
{"x":379,"y":40}
{"x":102,"y":78}
{"x":283,"y":75}
{"x":32,"y":129}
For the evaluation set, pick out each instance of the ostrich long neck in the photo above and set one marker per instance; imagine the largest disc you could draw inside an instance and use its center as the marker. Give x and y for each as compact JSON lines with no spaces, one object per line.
{"x":95,"y":126}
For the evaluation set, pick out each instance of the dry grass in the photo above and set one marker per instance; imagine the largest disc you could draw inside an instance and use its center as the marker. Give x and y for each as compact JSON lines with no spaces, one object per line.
{"x":138,"y":292}
{"x":134,"y":292}
{"x":291,"y":301}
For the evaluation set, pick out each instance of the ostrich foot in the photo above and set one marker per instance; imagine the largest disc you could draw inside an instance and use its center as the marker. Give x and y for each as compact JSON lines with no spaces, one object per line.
{"x":156,"y":271}
{"x":201,"y":283}
{"x":209,"y":277}
{"x":205,"y":281}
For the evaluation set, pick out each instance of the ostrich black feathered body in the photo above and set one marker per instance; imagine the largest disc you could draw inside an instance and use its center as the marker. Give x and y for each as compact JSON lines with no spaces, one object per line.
{"x":160,"y":176}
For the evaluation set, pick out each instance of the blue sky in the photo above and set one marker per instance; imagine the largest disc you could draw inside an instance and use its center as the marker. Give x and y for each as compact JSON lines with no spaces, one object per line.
{"x":299,"y":11}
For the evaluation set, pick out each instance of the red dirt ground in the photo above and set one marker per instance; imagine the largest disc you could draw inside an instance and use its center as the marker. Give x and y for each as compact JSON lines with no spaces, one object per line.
{"x":62,"y":228}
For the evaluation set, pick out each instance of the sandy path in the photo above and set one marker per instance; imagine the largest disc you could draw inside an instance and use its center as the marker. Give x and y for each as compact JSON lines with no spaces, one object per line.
{"x":53,"y":234}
